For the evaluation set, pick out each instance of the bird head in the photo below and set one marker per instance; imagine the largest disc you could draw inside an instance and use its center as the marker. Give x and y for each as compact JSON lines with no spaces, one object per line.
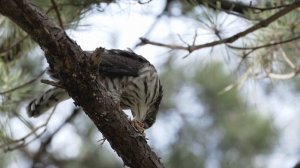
{"x":151,"y":113}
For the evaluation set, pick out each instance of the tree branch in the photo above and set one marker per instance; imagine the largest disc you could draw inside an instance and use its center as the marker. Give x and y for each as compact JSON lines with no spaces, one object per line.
{"x":37,"y":157}
{"x":57,"y":14}
{"x":21,"y":142}
{"x":231,"y":39}
{"x":225,"y":5}
{"x":265,"y":45}
{"x":237,"y":7}
{"x":73,"y":67}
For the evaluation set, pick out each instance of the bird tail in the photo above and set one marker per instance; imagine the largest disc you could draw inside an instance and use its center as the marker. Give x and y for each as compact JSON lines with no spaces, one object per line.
{"x":47,"y":100}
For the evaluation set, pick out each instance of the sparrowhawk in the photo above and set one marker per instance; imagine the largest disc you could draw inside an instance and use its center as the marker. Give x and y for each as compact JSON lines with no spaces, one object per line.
{"x":128,"y":76}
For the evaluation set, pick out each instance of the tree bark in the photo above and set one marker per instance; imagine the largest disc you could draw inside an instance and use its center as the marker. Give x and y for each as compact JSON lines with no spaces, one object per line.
{"x":77,"y":72}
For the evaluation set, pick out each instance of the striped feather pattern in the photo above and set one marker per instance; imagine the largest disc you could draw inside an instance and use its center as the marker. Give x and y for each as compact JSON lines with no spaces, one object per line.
{"x":127,"y":75}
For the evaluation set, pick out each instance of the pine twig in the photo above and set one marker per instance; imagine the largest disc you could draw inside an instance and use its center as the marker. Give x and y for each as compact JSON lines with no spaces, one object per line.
{"x":230,"y":39}
{"x":23,"y":85}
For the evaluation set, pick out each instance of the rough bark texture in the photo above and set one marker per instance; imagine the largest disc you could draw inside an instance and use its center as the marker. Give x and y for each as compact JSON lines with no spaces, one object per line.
{"x":77,"y":73}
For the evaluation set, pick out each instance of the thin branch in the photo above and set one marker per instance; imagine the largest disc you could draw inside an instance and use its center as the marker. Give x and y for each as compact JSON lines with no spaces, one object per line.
{"x":232,"y":7}
{"x":195,"y":37}
{"x":42,"y":151}
{"x":154,"y":23}
{"x":52,"y":83}
{"x":23,"y":85}
{"x":265,"y":45}
{"x":252,"y":49}
{"x":230,"y":39}
{"x":263,"y":9}
{"x":57,"y":13}
{"x":21,"y":142}
{"x":181,"y":39}
{"x":284,"y":76}
{"x":286,"y":58}
{"x":141,"y":2}
{"x":193,"y":43}
{"x":17,"y":42}
{"x":226,"y":6}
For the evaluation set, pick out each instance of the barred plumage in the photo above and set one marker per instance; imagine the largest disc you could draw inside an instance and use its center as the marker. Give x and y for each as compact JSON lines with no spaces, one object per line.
{"x":130,"y":77}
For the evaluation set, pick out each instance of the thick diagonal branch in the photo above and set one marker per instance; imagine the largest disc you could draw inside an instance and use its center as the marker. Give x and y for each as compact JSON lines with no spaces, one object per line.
{"x":76,"y":73}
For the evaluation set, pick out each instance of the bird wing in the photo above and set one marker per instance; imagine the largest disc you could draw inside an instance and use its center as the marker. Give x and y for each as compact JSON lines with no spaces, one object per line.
{"x":119,"y":63}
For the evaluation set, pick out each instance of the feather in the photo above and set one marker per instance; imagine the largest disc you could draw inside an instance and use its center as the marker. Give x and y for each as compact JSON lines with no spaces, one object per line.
{"x":120,"y":63}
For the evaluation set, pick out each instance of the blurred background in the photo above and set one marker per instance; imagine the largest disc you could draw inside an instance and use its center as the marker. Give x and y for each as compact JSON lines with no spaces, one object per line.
{"x":225,"y":106}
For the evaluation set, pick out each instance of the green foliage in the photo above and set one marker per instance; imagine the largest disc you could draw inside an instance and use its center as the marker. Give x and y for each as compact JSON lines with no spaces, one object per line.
{"x":11,"y":78}
{"x":173,"y":85}
{"x":251,"y":133}
{"x":181,"y":157}
{"x":228,"y":128}
{"x":278,"y":59}
{"x":70,"y":11}
{"x":14,"y":42}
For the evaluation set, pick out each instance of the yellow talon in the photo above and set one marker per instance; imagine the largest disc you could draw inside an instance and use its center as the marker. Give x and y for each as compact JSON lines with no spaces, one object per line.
{"x":138,"y":126}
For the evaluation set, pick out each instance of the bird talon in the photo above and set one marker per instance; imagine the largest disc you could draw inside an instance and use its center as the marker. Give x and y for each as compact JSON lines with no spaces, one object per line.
{"x":137,"y":125}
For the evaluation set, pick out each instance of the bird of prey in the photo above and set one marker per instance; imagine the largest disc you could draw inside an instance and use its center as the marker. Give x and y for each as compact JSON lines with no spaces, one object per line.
{"x":129,"y":77}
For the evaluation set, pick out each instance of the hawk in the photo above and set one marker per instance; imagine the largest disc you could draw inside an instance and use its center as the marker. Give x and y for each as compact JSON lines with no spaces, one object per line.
{"x":130,"y":77}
